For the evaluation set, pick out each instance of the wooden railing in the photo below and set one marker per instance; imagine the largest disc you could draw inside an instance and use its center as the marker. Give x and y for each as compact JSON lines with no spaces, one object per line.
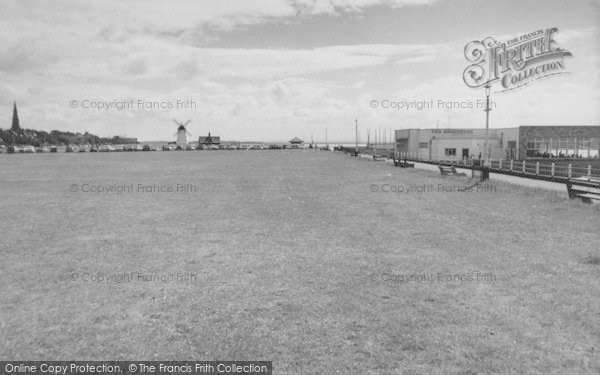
{"x":547,"y":169}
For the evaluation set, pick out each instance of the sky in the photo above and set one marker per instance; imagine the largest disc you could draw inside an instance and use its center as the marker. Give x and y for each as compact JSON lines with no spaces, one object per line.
{"x":270,"y":70}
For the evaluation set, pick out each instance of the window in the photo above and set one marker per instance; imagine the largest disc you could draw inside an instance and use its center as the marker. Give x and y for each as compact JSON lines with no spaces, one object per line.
{"x":531,"y":151}
{"x":450,"y":152}
{"x":423,"y":145}
{"x":562,"y":147}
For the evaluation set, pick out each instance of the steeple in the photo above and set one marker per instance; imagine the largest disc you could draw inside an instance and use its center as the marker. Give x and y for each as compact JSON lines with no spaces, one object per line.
{"x":15,"y":122}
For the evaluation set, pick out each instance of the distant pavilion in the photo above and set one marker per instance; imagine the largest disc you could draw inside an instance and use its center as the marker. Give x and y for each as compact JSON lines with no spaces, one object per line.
{"x":210,"y":140}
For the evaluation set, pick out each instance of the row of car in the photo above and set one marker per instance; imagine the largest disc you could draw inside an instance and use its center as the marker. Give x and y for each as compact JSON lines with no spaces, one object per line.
{"x":71,"y":148}
{"x":109,"y":148}
{"x":229,"y":147}
{"x":169,"y":147}
{"x":26,"y":149}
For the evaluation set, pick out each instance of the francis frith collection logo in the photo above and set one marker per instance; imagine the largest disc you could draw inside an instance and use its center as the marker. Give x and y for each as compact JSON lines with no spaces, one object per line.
{"x":516,"y":62}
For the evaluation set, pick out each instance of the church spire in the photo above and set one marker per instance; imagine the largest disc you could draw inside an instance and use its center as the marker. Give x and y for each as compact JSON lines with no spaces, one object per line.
{"x":15,"y":121}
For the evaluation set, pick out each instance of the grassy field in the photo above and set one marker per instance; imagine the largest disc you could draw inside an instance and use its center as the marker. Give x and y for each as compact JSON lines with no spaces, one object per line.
{"x":293,"y":257}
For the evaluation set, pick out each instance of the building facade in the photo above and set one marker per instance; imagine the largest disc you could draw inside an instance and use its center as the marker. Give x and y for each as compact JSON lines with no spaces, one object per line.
{"x":518,"y":143}
{"x":559,"y":141}
{"x":209,"y":140}
{"x":457,"y":144}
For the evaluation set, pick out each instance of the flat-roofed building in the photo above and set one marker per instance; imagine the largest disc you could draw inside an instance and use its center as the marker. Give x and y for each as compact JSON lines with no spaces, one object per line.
{"x":559,"y":141}
{"x":457,"y":144}
{"x":518,"y":143}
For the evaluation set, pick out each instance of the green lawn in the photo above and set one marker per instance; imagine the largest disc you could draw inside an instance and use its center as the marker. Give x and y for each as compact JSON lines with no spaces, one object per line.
{"x":291,"y":253}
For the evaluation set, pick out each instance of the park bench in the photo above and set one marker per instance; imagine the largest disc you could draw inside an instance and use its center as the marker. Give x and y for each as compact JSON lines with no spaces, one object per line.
{"x":403,"y":163}
{"x":447,"y":170}
{"x":584,"y":188}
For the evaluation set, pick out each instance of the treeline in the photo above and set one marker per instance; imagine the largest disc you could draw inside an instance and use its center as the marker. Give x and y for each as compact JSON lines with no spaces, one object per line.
{"x":55,"y":137}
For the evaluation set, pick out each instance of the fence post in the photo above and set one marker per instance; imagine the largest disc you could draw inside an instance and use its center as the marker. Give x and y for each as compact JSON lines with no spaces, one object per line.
{"x":589,"y":171}
{"x":523,"y":168}
{"x":537,"y":168}
{"x":500,"y":164}
{"x":569,"y":170}
{"x":511,"y":165}
{"x":552,"y":170}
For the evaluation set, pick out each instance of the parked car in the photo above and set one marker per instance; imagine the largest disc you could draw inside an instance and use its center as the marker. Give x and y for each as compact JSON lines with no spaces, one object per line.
{"x":138,"y":148}
{"x":53,"y":149}
{"x":148,"y":148}
{"x":106,"y":148}
{"x":2,"y":149}
{"x":94,"y":149}
{"x":71,"y":148}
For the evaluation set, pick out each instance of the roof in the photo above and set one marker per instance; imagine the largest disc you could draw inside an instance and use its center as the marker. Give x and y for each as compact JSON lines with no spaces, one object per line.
{"x":296,"y":140}
{"x":209,"y":140}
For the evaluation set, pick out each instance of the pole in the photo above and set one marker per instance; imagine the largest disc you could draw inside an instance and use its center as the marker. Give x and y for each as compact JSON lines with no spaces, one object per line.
{"x":356,"y":147}
{"x":487,"y":122}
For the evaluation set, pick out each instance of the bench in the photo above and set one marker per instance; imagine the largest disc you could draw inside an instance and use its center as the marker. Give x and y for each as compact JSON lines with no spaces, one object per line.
{"x":403,"y":163}
{"x":584,"y":188}
{"x":447,"y":170}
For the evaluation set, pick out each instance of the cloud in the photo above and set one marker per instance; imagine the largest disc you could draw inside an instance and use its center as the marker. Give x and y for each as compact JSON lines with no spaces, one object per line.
{"x":159,"y":51}
{"x":335,"y":7}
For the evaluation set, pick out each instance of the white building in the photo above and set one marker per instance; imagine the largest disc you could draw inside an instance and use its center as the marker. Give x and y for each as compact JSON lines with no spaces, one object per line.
{"x":457,"y":144}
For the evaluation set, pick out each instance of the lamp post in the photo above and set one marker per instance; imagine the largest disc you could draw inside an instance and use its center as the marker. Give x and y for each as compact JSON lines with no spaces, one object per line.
{"x":487,"y":123}
{"x":356,"y":145}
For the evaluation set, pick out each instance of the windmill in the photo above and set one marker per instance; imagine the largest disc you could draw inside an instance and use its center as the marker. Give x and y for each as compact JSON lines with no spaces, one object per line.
{"x":181,"y":133}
